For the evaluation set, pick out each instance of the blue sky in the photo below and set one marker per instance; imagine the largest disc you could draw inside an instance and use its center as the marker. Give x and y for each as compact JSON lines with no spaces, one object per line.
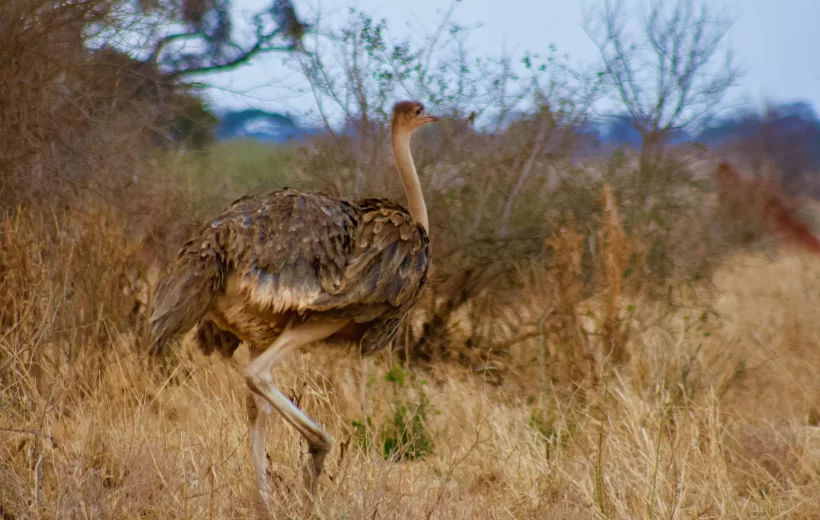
{"x":777,"y":43}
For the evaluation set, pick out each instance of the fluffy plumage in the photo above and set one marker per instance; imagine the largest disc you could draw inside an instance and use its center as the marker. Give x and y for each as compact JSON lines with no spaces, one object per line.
{"x":289,"y":254}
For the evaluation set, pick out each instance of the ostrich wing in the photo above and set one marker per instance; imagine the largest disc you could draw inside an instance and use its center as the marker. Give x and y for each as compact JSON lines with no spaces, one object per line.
{"x":289,"y":251}
{"x":391,"y":256}
{"x":305,"y":252}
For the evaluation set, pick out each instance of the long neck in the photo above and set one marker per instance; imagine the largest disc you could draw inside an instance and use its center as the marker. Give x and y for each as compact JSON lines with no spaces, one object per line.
{"x":409,"y":177}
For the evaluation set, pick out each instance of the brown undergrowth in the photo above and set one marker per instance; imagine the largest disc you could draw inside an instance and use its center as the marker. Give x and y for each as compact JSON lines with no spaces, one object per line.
{"x":623,"y":405}
{"x":765,"y":209}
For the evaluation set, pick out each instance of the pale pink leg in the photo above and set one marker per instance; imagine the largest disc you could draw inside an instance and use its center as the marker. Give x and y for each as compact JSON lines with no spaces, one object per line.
{"x":259,"y":377}
{"x":258,"y":411}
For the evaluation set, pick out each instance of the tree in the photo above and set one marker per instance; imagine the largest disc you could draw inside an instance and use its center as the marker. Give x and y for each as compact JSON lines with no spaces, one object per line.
{"x":115,"y":72}
{"x":204,"y":36}
{"x":668,"y":64}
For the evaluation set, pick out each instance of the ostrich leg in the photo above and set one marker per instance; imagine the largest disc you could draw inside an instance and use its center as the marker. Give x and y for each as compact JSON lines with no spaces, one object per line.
{"x":258,"y":411}
{"x":259,"y":377}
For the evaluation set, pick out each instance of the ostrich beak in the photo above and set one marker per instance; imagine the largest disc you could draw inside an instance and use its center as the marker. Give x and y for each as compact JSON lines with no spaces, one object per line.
{"x":427,"y":118}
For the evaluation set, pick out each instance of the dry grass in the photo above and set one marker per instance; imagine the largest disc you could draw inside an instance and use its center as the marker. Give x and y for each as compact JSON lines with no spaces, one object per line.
{"x":713,"y":414}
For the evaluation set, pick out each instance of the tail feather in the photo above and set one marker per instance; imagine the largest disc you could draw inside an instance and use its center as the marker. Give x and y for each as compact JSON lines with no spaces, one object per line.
{"x":183,"y":296}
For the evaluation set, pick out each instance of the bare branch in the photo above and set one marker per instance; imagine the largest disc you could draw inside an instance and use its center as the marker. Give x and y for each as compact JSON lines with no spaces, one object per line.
{"x":678,"y":43}
{"x":203,"y":38}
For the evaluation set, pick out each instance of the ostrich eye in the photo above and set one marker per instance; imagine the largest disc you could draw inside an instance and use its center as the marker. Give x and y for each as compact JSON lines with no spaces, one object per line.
{"x":418,"y":111}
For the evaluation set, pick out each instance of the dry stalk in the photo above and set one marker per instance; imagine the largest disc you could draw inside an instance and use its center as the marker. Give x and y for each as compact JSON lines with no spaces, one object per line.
{"x":616,"y":250}
{"x":566,"y":331}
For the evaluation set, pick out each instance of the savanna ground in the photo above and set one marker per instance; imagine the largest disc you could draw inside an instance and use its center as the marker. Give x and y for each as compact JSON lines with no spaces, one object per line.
{"x":593,"y":343}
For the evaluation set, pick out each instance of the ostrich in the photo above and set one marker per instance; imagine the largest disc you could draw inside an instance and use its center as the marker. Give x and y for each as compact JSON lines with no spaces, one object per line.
{"x":285,"y":269}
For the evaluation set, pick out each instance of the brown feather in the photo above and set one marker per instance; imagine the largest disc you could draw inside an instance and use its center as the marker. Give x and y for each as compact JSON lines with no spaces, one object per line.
{"x":193,"y":280}
{"x":285,"y":254}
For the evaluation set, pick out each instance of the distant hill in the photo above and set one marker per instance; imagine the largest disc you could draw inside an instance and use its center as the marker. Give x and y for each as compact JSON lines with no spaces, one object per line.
{"x":260,"y":125}
{"x":785,"y":135}
{"x":619,"y":130}
{"x":789,"y":132}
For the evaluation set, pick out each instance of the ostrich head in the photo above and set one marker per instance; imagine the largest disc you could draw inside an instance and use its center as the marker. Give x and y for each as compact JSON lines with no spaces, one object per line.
{"x":409,"y":116}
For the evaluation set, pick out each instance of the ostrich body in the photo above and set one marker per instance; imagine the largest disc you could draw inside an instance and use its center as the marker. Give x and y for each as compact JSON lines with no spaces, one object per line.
{"x":286,"y":269}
